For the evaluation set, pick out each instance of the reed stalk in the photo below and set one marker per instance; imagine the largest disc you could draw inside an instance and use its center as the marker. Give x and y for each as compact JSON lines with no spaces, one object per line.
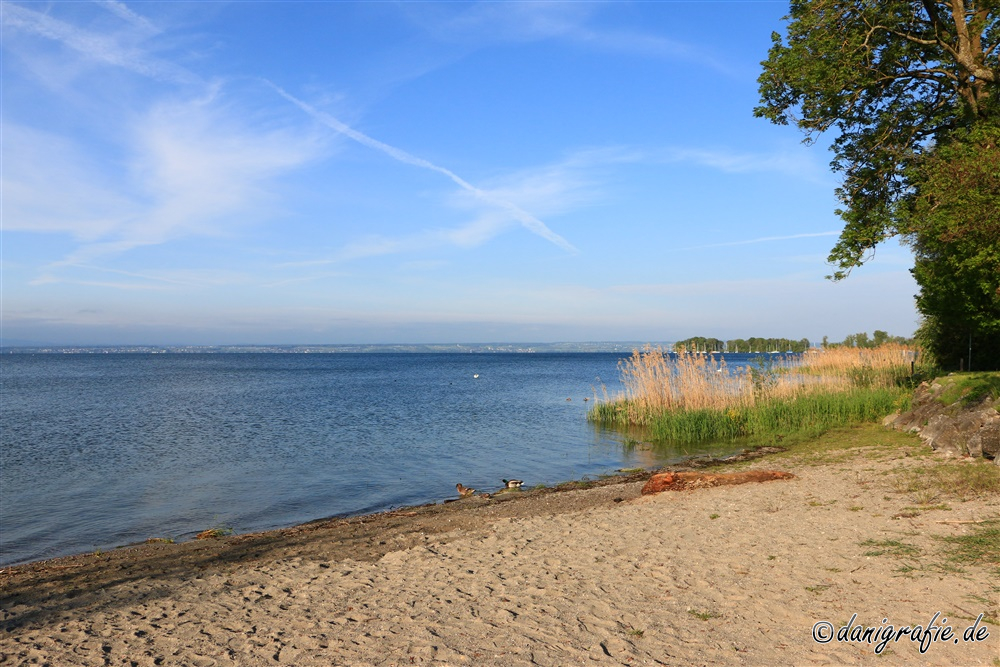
{"x":692,"y":397}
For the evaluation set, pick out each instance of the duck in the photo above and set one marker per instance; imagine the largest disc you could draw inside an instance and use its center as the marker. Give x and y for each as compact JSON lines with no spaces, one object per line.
{"x":513,"y":483}
{"x":464,"y":491}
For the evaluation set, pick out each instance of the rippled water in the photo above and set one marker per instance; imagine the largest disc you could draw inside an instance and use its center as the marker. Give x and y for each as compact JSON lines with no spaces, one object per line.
{"x":104,"y":450}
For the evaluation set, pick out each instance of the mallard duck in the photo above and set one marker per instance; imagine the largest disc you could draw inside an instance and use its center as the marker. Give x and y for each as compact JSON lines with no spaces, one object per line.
{"x":464,"y":491}
{"x":513,"y":483}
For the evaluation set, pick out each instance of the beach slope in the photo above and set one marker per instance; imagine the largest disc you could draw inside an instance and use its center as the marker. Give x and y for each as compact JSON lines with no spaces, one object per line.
{"x":717,"y":576}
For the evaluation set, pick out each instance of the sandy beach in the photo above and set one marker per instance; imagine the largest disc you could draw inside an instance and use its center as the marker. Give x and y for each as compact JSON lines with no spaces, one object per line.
{"x":737,"y":575}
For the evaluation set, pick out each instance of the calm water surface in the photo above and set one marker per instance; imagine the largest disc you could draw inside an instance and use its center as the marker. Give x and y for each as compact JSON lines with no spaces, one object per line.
{"x":101,"y":450}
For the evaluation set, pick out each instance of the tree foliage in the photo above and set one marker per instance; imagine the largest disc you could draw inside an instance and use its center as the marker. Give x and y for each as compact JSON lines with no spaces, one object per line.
{"x":952,"y":221}
{"x":888,"y":78}
{"x":862,"y":339}
{"x":909,"y":91}
{"x":741,"y":345}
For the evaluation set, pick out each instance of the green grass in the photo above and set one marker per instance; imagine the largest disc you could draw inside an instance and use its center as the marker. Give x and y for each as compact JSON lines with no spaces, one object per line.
{"x":991,"y":609}
{"x":818,"y":588}
{"x":970,"y":388}
{"x":893,"y":548}
{"x":927,"y":508}
{"x":809,"y":415}
{"x":838,"y":443}
{"x":959,"y":479}
{"x":704,"y":615}
{"x":981,"y":545}
{"x":681,"y":400}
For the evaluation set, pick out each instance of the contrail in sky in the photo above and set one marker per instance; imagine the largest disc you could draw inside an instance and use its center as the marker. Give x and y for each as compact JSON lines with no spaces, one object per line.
{"x":529,"y":221}
{"x":760,"y":240}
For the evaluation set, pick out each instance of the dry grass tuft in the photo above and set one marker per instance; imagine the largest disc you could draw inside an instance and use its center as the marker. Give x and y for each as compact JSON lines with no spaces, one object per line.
{"x":960,"y":479}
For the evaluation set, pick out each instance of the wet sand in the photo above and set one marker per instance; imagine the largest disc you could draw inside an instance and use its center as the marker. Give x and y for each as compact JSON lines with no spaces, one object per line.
{"x":716,"y":576}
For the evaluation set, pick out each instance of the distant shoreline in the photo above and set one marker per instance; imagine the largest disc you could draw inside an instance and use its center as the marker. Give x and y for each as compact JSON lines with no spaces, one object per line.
{"x":473,"y":348}
{"x":483,"y":348}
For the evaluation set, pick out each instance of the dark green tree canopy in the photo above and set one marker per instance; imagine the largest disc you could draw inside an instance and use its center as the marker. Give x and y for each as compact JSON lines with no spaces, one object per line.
{"x":889,"y":79}
{"x":744,"y":345}
{"x":952,"y":222}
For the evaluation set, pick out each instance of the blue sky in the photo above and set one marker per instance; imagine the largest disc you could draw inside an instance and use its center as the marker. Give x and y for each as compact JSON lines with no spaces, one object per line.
{"x":382,"y":172}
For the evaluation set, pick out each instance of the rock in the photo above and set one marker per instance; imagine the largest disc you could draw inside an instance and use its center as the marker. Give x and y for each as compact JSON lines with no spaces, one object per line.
{"x":986,"y":441}
{"x":974,"y":446}
{"x":943,"y":436}
{"x":958,"y":429}
{"x":678,"y":481}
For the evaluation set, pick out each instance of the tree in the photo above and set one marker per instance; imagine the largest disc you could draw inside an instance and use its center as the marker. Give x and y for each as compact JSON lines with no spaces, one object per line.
{"x":953,"y":224}
{"x":889,"y":78}
{"x":699,"y":344}
{"x":862,"y":340}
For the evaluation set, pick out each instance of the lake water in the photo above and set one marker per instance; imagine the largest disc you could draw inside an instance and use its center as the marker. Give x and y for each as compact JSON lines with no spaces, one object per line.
{"x":101,"y":450}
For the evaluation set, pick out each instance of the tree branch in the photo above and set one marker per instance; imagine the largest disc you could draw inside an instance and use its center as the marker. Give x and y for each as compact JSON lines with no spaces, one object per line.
{"x":967,"y":54}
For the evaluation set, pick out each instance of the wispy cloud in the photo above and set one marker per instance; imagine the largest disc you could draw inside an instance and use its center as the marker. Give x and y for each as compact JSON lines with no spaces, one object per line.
{"x":198,"y":163}
{"x":699,"y":289}
{"x":576,"y":182}
{"x":763,"y":239}
{"x":192,"y":168}
{"x":554,"y":189}
{"x":73,"y":195}
{"x":126,"y":286}
{"x":529,"y":221}
{"x":105,"y":48}
{"x":793,"y":162}
{"x":194,"y":158}
{"x":122,"y":11}
{"x":490,"y":22}
{"x":509,"y":21}
{"x":156,"y":280}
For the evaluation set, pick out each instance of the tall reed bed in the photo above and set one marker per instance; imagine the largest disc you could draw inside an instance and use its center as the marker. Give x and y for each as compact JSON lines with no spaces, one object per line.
{"x":884,"y":366}
{"x":691,"y":397}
